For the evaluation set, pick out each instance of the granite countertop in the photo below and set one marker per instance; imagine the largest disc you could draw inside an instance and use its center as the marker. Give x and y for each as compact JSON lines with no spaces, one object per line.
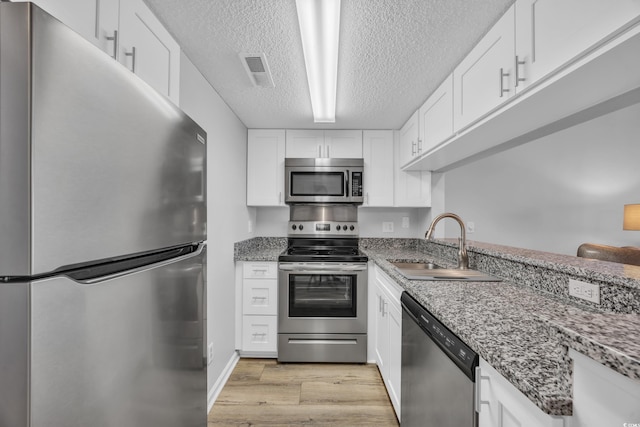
{"x":522,"y":332}
{"x":524,"y":325}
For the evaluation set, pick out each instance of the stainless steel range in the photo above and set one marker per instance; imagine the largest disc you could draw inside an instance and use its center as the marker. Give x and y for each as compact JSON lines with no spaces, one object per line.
{"x":322,"y":284}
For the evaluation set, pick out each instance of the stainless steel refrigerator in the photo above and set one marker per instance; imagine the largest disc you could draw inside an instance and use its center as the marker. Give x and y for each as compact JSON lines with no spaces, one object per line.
{"x":102,"y":238}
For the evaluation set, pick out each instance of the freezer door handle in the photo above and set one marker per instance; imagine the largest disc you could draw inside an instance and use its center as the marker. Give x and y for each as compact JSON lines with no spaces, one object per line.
{"x":107,"y":270}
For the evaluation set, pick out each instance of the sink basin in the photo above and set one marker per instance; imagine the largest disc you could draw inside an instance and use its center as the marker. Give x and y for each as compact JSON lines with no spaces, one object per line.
{"x":415,"y":265}
{"x":431,"y":271}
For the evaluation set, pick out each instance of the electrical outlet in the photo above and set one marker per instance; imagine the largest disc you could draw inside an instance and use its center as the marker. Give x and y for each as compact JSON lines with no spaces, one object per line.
{"x":471,"y":227}
{"x":210,"y":353}
{"x":584,"y":290}
{"x":387,"y":227}
{"x":250,"y":227}
{"x":405,"y":222}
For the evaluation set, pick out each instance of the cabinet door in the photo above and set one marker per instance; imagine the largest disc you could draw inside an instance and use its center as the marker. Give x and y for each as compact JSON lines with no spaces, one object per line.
{"x":265,"y":167}
{"x":436,"y":117}
{"x":409,"y":134}
{"x":147,"y":49}
{"x":551,"y":33}
{"x":305,"y":143}
{"x":395,"y":353}
{"x":382,"y":332}
{"x":503,"y":405}
{"x":95,"y":20}
{"x":483,"y":80}
{"x":411,"y":189}
{"x":343,"y":144}
{"x":377,"y":150}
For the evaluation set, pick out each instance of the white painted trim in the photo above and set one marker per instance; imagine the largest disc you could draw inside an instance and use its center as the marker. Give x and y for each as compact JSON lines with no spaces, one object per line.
{"x":222,"y":380}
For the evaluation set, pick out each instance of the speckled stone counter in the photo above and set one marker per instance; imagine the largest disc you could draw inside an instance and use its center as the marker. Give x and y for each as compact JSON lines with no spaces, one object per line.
{"x":524,"y":325}
{"x":259,"y":249}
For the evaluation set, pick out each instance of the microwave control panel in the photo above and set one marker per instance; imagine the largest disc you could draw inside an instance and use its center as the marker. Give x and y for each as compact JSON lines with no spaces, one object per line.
{"x":356,"y":184}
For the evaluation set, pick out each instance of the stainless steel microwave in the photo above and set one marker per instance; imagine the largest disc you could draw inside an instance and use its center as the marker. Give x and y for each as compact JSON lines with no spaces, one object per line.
{"x":323,"y":180}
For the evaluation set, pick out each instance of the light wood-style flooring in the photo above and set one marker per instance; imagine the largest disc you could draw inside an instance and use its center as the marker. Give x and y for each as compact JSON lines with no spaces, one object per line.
{"x":262,"y":392}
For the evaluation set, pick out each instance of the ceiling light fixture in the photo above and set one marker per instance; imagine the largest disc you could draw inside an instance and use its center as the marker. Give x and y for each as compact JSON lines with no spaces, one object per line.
{"x":319,"y":22}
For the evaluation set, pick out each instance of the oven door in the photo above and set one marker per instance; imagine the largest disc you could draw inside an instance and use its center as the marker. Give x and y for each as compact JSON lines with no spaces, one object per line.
{"x":322,"y":298}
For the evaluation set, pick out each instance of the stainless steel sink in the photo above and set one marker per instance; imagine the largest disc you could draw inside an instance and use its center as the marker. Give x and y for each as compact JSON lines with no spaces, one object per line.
{"x":431,"y":271}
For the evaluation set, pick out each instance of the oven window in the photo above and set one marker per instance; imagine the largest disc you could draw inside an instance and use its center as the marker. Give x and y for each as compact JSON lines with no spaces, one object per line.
{"x":322,"y":295}
{"x":317,"y":184}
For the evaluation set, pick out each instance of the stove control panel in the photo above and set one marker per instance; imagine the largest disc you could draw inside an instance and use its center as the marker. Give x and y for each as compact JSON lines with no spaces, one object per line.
{"x":323,"y":228}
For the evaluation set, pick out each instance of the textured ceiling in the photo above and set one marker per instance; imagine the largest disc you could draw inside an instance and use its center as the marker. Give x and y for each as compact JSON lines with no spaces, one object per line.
{"x":393,"y":54}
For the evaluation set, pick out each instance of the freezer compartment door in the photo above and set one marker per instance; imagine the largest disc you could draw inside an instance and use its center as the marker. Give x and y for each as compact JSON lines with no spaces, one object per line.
{"x":95,"y":163}
{"x":126,"y":351}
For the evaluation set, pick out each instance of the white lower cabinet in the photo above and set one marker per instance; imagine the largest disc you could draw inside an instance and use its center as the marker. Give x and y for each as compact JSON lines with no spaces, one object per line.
{"x":388,"y":333}
{"x":602,"y":396}
{"x":500,"y":404}
{"x":257,"y":308}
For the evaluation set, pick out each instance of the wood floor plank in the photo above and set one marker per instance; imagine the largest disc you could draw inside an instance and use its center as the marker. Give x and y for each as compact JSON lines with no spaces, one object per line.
{"x":259,"y":394}
{"x":321,"y":393}
{"x":249,"y":370}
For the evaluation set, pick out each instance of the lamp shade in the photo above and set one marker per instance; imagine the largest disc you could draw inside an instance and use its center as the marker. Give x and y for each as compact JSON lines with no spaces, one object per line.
{"x":631,"y":217}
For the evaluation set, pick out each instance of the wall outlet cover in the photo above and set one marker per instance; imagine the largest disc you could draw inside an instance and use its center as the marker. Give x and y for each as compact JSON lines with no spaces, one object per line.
{"x":584,"y":290}
{"x":405,"y":222}
{"x":387,"y":227}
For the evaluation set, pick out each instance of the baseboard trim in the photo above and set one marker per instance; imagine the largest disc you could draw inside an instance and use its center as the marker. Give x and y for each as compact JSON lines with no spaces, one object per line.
{"x":222,"y":380}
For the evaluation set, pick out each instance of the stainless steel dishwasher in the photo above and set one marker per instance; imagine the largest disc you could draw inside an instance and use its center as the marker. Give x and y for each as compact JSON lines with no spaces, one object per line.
{"x":438,"y":372}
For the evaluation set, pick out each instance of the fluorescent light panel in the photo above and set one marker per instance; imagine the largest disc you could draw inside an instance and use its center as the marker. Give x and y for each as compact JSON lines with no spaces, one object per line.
{"x":319,"y":22}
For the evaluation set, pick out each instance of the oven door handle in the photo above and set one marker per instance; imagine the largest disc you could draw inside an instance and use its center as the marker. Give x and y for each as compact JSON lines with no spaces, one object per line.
{"x":322,"y":267}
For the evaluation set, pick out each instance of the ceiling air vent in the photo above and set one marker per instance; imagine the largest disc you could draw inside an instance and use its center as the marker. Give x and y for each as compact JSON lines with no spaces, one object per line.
{"x":255,"y":64}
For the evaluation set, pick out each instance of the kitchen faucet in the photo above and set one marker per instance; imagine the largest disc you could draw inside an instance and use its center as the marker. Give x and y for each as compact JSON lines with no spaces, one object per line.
{"x":463,"y":258}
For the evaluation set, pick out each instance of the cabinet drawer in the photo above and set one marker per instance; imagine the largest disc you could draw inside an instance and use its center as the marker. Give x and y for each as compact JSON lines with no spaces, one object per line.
{"x":259,"y":333}
{"x":260,"y":270}
{"x":259,"y":296}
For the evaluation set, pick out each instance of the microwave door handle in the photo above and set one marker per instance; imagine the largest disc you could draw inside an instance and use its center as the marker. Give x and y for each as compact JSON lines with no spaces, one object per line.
{"x":346,"y":183}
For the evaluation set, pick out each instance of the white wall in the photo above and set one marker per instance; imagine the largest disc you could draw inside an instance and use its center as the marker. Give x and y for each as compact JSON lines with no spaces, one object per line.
{"x":227,"y":214}
{"x":272,"y":222}
{"x":554,"y":193}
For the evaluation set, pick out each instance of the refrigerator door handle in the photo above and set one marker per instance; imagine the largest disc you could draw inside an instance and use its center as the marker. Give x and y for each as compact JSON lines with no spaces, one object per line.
{"x":99,"y":273}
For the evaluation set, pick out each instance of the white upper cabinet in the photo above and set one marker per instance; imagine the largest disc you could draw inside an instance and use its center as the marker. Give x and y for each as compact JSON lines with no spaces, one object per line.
{"x":95,"y":20}
{"x":550,"y":33}
{"x":484,"y":78}
{"x":130,"y":33}
{"x":265,"y":167}
{"x":377,"y":148}
{"x":315,"y":143}
{"x":411,"y":189}
{"x":409,"y":134}
{"x":436,"y":117}
{"x":345,"y":144}
{"x":147,"y":48}
{"x":305,"y":143}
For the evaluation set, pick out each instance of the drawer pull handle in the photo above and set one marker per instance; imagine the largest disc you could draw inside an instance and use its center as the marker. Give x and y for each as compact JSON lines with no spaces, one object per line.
{"x":502,"y":76}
